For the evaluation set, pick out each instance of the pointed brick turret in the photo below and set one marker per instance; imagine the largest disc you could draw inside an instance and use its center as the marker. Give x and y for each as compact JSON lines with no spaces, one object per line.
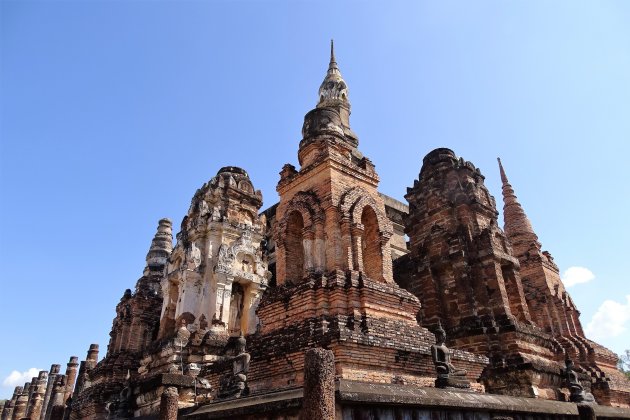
{"x":551,"y":305}
{"x":161,"y":247}
{"x":517,"y":226}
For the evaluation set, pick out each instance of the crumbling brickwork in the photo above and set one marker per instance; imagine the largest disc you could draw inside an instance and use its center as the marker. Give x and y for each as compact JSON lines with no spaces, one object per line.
{"x":495,"y":292}
{"x":551,"y":305}
{"x":335,"y":287}
{"x":318,"y":307}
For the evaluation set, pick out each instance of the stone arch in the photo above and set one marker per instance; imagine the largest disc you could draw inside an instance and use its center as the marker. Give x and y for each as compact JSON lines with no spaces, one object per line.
{"x":308,"y":205}
{"x":365,"y":234}
{"x":351,"y":206}
{"x":299,"y":237}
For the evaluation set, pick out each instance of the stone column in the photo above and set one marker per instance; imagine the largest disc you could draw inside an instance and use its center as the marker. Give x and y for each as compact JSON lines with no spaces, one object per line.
{"x":224,"y":293}
{"x":169,"y":404}
{"x":92,"y":355}
{"x":3,"y":404}
{"x":19,"y":411}
{"x":338,"y":255}
{"x":347,"y":260}
{"x":57,"y":402}
{"x":71,"y":376}
{"x":253,"y":293}
{"x":52,"y":376}
{"x":80,"y":379}
{"x":7,"y":412}
{"x":31,"y":389}
{"x":84,"y":368}
{"x":357,"y":246}
{"x":308,"y":236}
{"x":320,"y":245}
{"x":319,"y":385}
{"x":34,"y":409}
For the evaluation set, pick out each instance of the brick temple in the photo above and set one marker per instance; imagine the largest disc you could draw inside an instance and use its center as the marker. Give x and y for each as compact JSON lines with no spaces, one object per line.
{"x":339,"y":302}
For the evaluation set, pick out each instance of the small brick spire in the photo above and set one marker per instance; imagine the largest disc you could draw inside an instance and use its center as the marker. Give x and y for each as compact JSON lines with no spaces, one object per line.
{"x":161,"y":246}
{"x":517,"y":226}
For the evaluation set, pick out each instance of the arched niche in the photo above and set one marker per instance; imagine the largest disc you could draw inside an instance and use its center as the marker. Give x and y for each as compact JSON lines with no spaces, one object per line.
{"x":294,"y":247}
{"x":237,"y":307}
{"x":371,"y":248}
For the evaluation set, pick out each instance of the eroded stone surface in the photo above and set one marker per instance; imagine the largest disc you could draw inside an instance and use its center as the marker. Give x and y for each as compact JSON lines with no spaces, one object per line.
{"x":326,"y":291}
{"x":319,"y":385}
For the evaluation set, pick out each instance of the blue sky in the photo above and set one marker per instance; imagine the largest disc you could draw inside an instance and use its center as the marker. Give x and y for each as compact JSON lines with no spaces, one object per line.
{"x":114,"y":112}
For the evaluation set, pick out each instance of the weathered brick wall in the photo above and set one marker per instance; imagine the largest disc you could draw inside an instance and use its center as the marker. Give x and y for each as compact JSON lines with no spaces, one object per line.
{"x":462,"y":268}
{"x":370,"y":326}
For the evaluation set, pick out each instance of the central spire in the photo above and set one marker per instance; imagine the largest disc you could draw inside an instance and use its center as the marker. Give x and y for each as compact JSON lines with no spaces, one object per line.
{"x":333,"y":90}
{"x":333,"y":63}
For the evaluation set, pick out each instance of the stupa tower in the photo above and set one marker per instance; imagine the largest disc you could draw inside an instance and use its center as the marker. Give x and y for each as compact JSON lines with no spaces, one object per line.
{"x":335,"y":287}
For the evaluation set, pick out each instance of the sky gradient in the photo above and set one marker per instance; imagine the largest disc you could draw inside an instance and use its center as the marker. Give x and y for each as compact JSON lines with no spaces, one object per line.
{"x":113,"y":113}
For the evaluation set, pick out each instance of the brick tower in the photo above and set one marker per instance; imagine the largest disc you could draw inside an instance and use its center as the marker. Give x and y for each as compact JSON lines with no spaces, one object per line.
{"x":133,"y":329}
{"x":335,"y":287}
{"x":462,"y":268}
{"x":552,"y":308}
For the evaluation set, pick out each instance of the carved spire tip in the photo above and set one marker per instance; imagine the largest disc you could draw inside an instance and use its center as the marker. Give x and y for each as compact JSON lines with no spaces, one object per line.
{"x":502,"y":171}
{"x":332,"y":51}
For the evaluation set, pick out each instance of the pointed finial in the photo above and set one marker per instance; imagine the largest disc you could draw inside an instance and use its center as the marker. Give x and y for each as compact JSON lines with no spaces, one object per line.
{"x":333,"y":89}
{"x":332,"y":51}
{"x":332,"y":66}
{"x":516,"y":224}
{"x":503,"y":176}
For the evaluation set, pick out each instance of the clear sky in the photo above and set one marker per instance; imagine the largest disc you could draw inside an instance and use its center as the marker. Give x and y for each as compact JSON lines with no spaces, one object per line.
{"x":114,"y":112}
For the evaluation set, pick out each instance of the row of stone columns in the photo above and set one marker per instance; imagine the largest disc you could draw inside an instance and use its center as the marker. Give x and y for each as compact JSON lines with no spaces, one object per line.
{"x":37,"y":398}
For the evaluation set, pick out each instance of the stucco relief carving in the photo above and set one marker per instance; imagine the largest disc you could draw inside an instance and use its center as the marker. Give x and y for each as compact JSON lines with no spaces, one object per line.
{"x":244,"y":247}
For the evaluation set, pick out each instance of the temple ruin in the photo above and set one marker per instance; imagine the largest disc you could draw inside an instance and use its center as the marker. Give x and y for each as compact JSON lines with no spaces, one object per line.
{"x":339,"y":302}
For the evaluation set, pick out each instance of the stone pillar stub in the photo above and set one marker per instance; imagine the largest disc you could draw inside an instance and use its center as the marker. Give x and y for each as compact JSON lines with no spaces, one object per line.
{"x":52,"y":376}
{"x":36,"y":401}
{"x":19,"y":411}
{"x":319,"y":385}
{"x":57,"y":397}
{"x":92,"y":354}
{"x":169,"y":404}
{"x":7,"y":412}
{"x":71,"y":376}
